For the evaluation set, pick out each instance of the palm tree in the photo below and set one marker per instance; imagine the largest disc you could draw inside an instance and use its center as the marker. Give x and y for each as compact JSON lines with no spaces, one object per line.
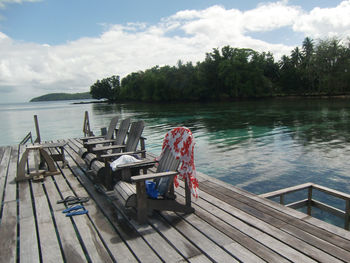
{"x":296,"y":57}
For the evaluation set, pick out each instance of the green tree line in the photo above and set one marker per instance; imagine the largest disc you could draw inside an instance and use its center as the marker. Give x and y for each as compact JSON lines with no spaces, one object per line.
{"x":321,"y":68}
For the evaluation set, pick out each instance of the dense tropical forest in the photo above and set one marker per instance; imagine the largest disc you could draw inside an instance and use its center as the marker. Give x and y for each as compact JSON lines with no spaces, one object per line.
{"x":317,"y":68}
{"x":62,"y":96}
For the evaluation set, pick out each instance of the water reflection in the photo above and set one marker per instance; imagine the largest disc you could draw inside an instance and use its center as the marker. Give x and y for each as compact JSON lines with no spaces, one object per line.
{"x":259,"y":145}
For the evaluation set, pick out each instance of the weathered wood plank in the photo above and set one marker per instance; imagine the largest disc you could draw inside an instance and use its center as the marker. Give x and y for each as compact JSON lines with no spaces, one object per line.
{"x":11,"y":186}
{"x":294,"y":213}
{"x":178,"y":241}
{"x":199,"y":259}
{"x":339,"y":241}
{"x":48,"y":239}
{"x":46,"y":229}
{"x":262,"y":212}
{"x":95,"y":249}
{"x":28,"y":244}
{"x":2,"y":151}
{"x":219,"y":237}
{"x":207,"y":246}
{"x":276,"y":207}
{"x":72,"y":249}
{"x":265,"y":228}
{"x":243,"y":253}
{"x":8,"y":233}
{"x":245,"y":230}
{"x":3,"y":171}
{"x":8,"y":226}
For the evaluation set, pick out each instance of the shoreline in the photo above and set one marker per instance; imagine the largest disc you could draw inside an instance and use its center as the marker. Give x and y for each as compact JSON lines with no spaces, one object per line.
{"x":277,"y":97}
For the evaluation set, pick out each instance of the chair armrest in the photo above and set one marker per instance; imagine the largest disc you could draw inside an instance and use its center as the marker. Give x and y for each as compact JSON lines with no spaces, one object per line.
{"x":106,"y":148}
{"x":111,"y":155}
{"x":98,"y":142}
{"x":144,"y":177}
{"x":142,"y":163}
{"x":91,"y":137}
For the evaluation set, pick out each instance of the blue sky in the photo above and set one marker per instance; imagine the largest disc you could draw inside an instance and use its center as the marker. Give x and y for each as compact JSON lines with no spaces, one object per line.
{"x":65,"y":46}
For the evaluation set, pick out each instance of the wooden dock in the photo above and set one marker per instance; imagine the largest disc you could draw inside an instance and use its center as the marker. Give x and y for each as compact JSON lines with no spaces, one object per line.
{"x":229,"y":224}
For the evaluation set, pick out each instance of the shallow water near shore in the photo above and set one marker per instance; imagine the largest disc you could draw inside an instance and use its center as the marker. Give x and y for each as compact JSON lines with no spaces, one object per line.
{"x":260,"y":146}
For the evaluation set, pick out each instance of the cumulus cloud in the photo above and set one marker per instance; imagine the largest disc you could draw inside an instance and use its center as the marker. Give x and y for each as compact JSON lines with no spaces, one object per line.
{"x":33,"y":69}
{"x":327,"y":22}
{"x":270,"y":16}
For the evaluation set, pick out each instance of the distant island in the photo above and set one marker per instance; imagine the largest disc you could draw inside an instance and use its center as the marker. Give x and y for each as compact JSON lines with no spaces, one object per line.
{"x":62,"y":96}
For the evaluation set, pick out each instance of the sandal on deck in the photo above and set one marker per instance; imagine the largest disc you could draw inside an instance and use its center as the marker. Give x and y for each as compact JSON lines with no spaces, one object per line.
{"x":80,"y":212}
{"x":71,"y":200}
{"x":73,"y":208}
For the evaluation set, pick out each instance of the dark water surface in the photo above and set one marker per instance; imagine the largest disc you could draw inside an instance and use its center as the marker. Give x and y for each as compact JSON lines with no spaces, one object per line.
{"x":259,"y":146}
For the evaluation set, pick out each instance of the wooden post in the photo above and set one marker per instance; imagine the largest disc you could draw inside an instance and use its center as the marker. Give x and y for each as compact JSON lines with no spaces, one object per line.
{"x":309,"y":201}
{"x":143,"y":147}
{"x":38,"y":138}
{"x":282,"y":199}
{"x":347,"y":215}
{"x":86,"y":125}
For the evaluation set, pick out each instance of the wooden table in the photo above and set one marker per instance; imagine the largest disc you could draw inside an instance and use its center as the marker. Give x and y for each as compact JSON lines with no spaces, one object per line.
{"x":40,"y":158}
{"x":57,"y":156}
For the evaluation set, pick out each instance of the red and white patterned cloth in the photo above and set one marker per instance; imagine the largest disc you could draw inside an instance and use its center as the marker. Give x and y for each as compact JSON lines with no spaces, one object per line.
{"x":181,"y":142}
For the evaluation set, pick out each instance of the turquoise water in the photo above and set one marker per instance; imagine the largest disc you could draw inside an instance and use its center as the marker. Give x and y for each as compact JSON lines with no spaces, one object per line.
{"x":260,"y":146}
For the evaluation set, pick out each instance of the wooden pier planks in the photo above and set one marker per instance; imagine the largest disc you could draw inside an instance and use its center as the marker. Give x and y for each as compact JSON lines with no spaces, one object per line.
{"x":312,"y":245}
{"x":8,"y":211}
{"x":229,"y":224}
{"x":28,"y":245}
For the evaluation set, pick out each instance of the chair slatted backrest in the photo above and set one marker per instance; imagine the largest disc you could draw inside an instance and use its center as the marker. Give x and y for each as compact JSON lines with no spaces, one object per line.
{"x":134,"y":135}
{"x":112,"y":126}
{"x":167,"y":163}
{"x":122,"y":131}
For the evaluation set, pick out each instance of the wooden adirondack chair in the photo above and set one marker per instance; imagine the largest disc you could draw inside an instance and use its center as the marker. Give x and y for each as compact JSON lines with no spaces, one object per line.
{"x":100,"y":164}
{"x":129,"y":147}
{"x":121,"y":133}
{"x":134,"y":194}
{"x":90,"y":142}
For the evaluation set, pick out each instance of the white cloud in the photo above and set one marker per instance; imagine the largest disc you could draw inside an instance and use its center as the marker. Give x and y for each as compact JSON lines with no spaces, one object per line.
{"x":270,"y":16}
{"x":30,"y":69}
{"x":325,"y":22}
{"x":3,"y":3}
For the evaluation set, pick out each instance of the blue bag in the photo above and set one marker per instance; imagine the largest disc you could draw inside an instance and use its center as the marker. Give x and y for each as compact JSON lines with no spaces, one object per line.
{"x":151,"y":189}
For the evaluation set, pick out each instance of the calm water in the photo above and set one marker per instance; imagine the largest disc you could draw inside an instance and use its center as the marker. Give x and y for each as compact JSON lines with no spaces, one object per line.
{"x":259,"y":146}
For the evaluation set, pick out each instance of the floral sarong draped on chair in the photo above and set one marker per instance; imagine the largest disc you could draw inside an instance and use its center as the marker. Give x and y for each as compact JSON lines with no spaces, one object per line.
{"x":181,"y":142}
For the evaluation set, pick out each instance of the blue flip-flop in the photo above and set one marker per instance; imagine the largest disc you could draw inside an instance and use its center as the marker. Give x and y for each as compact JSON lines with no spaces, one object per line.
{"x":80,"y":212}
{"x":77,"y":207}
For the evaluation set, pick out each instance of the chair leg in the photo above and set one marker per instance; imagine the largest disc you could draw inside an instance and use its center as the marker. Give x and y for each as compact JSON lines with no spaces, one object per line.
{"x":141,"y":202}
{"x":187,"y":194}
